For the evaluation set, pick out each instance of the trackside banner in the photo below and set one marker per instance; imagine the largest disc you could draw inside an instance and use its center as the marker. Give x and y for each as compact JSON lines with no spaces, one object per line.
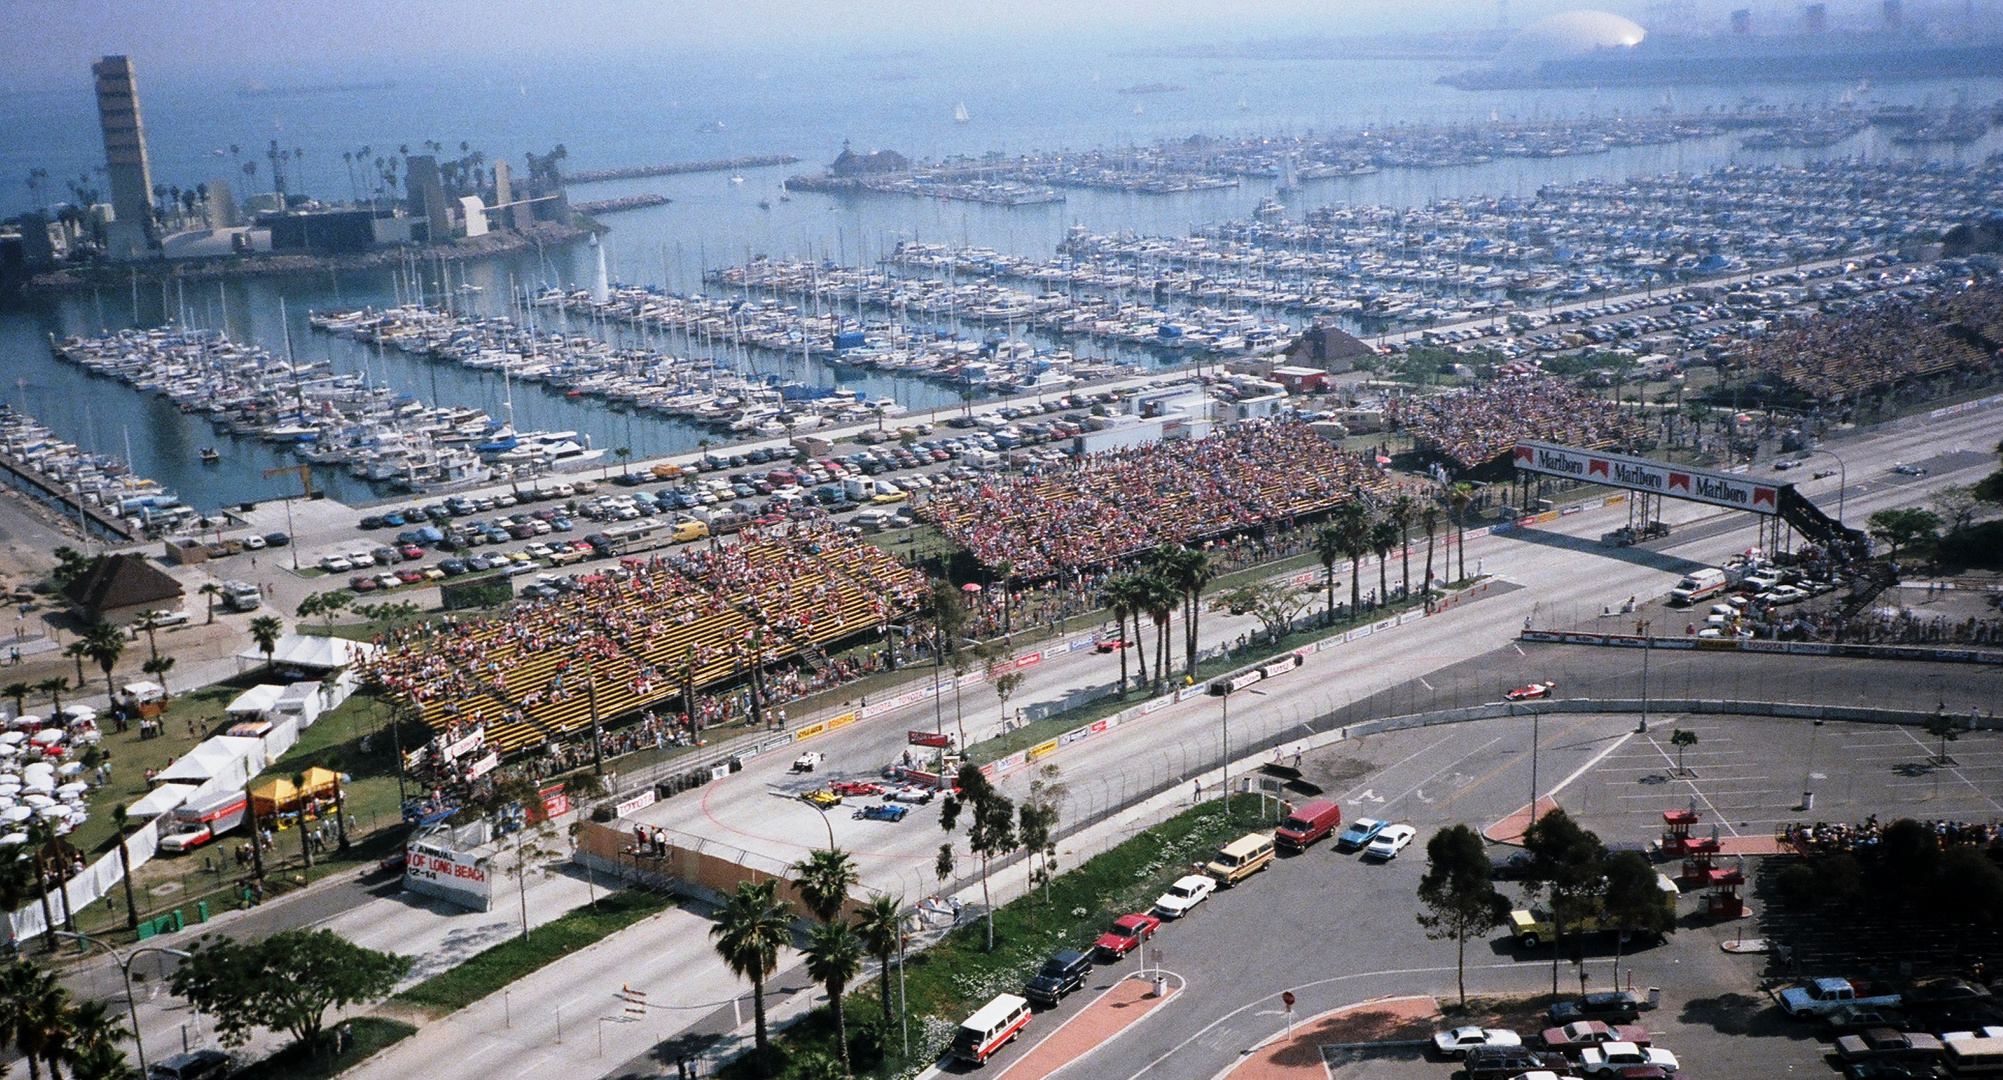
{"x":1651,"y":477}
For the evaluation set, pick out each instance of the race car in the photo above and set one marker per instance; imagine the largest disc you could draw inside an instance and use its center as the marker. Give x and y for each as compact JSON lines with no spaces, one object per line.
{"x":807,"y":762}
{"x":858,"y":788}
{"x":823,"y":798}
{"x":882,"y":812}
{"x":911,"y":793}
{"x":1110,"y":639}
{"x":1534,"y":690}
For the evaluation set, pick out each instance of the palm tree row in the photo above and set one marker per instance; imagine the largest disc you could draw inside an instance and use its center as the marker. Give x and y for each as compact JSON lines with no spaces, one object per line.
{"x":53,"y":1031}
{"x":1359,"y":528}
{"x":1166,"y":577}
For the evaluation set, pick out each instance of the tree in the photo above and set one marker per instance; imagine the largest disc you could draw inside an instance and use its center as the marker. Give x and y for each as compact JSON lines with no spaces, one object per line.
{"x":1275,"y":603}
{"x":823,"y":878}
{"x":1401,"y":513}
{"x":1682,"y":740}
{"x":121,"y":820}
{"x":1460,"y":899}
{"x":1459,"y":498}
{"x":19,"y":691}
{"x":1989,"y":489}
{"x":1632,"y":899}
{"x":55,"y":686}
{"x":834,"y":959}
{"x":104,"y":643}
{"x":1190,"y":571}
{"x":1161,"y":598}
{"x":1568,"y":865}
{"x":328,"y":604}
{"x":209,"y":591}
{"x":32,"y":1004}
{"x":1328,"y":548}
{"x":749,"y":932}
{"x":1352,"y":526}
{"x":70,"y":565}
{"x":880,"y":924}
{"x":1123,"y":596}
{"x":305,"y":837}
{"x":158,"y":667}
{"x":1384,"y":536}
{"x":1904,"y":528}
{"x":990,"y":827}
{"x":1005,"y":684}
{"x":1429,"y":520}
{"x":77,"y":651}
{"x":265,"y":630}
{"x":285,"y":982}
{"x":90,"y":1044}
{"x":149,"y":621}
{"x":1957,"y":505}
{"x":1942,"y":727}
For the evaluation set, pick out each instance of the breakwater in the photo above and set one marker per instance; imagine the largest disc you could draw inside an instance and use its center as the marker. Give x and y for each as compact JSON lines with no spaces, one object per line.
{"x":677,"y":168}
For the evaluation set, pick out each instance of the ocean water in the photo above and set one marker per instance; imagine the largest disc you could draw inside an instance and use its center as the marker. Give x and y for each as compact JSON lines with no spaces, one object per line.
{"x":618,"y":110}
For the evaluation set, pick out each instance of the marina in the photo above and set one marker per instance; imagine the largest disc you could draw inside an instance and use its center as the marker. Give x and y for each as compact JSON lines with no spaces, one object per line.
{"x":101,"y":492}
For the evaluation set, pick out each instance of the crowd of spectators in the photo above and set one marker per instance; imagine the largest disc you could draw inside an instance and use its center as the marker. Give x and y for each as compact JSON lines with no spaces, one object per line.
{"x":1827,"y":358}
{"x":1475,"y":426}
{"x":635,"y":638}
{"x":1889,"y":627}
{"x":1107,"y":507}
{"x":1825,"y":837}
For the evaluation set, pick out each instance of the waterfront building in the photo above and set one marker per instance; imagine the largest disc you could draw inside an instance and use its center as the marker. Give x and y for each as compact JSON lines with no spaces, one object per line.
{"x":504,"y":197}
{"x":129,"y":234}
{"x":427,"y":197}
{"x":221,"y":204}
{"x":1327,"y":348}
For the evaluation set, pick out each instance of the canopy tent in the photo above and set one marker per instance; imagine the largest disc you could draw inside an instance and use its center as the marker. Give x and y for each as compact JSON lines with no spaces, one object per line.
{"x":161,"y":800}
{"x":255,"y":700}
{"x":314,"y":651}
{"x":204,"y":762}
{"x":282,"y":795}
{"x":145,"y":690}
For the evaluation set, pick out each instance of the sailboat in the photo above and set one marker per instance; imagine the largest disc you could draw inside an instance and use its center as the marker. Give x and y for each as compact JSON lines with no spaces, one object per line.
{"x":960,"y":113}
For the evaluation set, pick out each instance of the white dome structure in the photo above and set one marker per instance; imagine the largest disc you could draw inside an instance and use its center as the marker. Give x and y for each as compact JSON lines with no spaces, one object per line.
{"x":1567,"y":35}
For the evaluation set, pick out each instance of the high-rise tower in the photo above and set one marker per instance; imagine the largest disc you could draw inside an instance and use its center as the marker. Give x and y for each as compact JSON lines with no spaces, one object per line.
{"x":131,"y":235}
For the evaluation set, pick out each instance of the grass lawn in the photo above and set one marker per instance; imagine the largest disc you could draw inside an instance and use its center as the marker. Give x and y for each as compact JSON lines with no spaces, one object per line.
{"x":371,"y":1033}
{"x":948,"y":981}
{"x":495,"y":968}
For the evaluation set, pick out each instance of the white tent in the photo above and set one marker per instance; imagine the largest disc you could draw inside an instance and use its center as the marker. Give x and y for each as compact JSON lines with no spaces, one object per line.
{"x":255,"y":700}
{"x":145,"y":690}
{"x":205,"y":762}
{"x":162,"y":800}
{"x":314,"y":651}
{"x":302,"y":700}
{"x":248,"y":750}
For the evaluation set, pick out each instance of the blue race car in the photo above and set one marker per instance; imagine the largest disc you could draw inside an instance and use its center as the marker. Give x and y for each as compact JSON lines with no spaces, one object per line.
{"x":882,"y":812}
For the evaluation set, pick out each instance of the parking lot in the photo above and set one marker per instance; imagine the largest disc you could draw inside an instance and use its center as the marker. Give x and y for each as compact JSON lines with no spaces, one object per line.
{"x":1336,"y":930}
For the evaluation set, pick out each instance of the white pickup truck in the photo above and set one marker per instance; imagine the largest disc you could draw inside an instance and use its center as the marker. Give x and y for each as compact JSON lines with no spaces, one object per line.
{"x":1820,"y":996}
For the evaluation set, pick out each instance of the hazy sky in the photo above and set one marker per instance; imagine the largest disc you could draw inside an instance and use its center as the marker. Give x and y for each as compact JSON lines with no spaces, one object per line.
{"x":277,"y":34}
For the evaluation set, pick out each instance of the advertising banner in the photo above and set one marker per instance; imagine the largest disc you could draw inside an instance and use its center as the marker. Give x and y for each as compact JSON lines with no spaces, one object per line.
{"x":1652,"y":477}
{"x":638,"y":802}
{"x":841,"y":721}
{"x":457,"y":876}
{"x":465,"y":746}
{"x":555,"y":801}
{"x":927,"y":738}
{"x":1042,"y":749}
{"x":483,"y":766}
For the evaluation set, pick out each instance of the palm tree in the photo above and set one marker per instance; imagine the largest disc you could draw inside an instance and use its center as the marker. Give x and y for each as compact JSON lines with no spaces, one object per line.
{"x":158,"y":667}
{"x":749,"y":932}
{"x":1459,"y":497}
{"x":1162,"y":597}
{"x":1116,"y":596}
{"x":880,"y":924}
{"x":148,"y":621}
{"x":1429,"y":520}
{"x":1352,"y":526}
{"x":55,"y":686}
{"x":266,"y":630}
{"x":1191,"y":572}
{"x":305,"y":840}
{"x":91,"y":1033}
{"x":823,"y":878}
{"x":834,"y":959}
{"x":1383,"y":537}
{"x":120,"y":819}
{"x":1401,"y":512}
{"x":1328,"y":548}
{"x":32,"y":1008}
{"x":75,"y":651}
{"x":19,"y":691}
{"x":1128,"y":595}
{"x":210,"y":590}
{"x":104,"y":643}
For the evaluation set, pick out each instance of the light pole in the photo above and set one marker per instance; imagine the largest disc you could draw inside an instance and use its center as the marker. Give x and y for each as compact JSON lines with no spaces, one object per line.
{"x":125,"y":968}
{"x":825,"y":820}
{"x":1647,"y":641}
{"x":1842,"y":480}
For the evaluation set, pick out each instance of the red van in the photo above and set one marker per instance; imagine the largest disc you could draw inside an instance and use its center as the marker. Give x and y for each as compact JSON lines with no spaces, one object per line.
{"x":1309,"y":823}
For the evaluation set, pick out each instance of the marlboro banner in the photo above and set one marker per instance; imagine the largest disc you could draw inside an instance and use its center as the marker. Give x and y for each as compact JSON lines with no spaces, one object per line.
{"x":1652,"y":477}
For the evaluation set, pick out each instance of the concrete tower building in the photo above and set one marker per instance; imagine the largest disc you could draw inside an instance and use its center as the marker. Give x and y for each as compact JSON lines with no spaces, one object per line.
{"x":131,"y":234}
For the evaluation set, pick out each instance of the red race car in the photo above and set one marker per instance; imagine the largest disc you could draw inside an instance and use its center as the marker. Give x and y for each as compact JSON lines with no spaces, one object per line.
{"x":1126,"y":935}
{"x":857,"y":788}
{"x":1110,"y":640}
{"x":1534,"y":690}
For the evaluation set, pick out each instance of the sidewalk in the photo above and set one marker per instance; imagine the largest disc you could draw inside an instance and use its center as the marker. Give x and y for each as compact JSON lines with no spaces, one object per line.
{"x":1130,"y":1001}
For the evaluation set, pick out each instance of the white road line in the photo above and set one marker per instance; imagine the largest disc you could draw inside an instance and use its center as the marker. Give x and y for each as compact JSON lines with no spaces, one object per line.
{"x":1695,"y":790}
{"x":1424,"y":683}
{"x":1408,"y":757}
{"x":1581,"y":770}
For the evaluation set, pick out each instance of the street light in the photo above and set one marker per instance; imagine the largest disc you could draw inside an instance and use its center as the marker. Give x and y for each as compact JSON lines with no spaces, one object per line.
{"x":125,"y":968}
{"x":1647,"y":640}
{"x":1842,"y":480}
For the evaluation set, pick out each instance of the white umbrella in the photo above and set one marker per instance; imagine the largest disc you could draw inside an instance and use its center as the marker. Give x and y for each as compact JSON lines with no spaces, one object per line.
{"x":9,"y":750}
{"x":26,"y":722}
{"x":6,"y":801}
{"x":13,"y":839}
{"x":53,"y":813}
{"x":38,"y":767}
{"x":75,"y":787}
{"x":39,"y":801}
{"x":15,"y":814}
{"x":47,"y":737}
{"x":41,"y":787}
{"x":80,"y":712}
{"x":14,"y":738}
{"x":69,"y":768}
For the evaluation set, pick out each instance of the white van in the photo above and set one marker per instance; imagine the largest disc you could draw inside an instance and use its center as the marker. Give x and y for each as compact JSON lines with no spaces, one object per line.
{"x":1974,"y":1057}
{"x":1700,"y":585}
{"x":993,"y":1027}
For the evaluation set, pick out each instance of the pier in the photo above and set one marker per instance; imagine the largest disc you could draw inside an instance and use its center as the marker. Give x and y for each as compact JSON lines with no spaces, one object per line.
{"x":624,"y":202}
{"x":677,"y":168}
{"x":26,"y":477}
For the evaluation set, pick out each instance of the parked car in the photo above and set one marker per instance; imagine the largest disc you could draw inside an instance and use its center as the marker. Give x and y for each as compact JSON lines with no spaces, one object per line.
{"x":1126,"y":934}
{"x":1608,"y":1059}
{"x":1183,"y":896}
{"x":1579,"y":1034}
{"x":1456,"y":1042}
{"x":1888,"y":1043}
{"x":1389,"y":841}
{"x":1608,"y":1005}
{"x":1360,"y":832}
{"x":1064,"y":972}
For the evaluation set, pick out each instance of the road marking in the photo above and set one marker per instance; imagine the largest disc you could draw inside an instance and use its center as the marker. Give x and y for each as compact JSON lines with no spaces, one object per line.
{"x":1368,"y":795}
{"x":1513,"y":645}
{"x":1581,"y":770}
{"x":1420,"y":794}
{"x":1424,"y":683}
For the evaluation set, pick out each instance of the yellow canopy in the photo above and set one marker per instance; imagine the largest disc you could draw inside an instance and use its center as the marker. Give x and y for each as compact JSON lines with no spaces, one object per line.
{"x":282,"y":795}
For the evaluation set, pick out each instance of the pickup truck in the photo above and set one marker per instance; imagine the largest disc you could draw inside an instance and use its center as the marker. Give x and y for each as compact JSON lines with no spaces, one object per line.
{"x":1827,"y":995}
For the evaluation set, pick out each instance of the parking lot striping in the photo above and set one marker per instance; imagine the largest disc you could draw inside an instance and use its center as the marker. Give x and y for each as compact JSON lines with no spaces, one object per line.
{"x":1364,"y":787}
{"x":1696,"y":792}
{"x":1400,"y":797}
{"x":1597,"y":758}
{"x":1263,"y":998}
{"x":1519,"y":652}
{"x":1424,"y":683}
{"x":1954,"y":770}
